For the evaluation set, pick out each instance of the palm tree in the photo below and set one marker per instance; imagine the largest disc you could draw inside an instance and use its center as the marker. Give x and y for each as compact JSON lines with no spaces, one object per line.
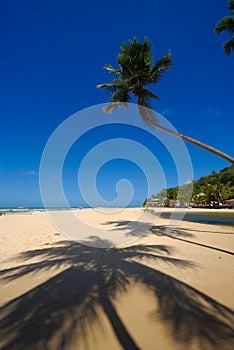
{"x":227,"y":24}
{"x":136,"y":72}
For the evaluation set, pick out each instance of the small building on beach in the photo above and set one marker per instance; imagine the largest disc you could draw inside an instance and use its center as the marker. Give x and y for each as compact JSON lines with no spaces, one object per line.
{"x":230,"y":202}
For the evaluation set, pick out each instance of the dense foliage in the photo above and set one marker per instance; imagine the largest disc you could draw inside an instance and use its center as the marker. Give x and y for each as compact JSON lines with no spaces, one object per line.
{"x":136,"y":72}
{"x":208,"y":190}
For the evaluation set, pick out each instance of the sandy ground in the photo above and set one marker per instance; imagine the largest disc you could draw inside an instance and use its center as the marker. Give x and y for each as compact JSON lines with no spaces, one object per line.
{"x":170,"y":287}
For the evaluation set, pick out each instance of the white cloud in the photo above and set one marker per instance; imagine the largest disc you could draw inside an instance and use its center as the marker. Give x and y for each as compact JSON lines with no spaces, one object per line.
{"x":30,"y":172}
{"x":212,"y":113}
{"x":215,"y":111}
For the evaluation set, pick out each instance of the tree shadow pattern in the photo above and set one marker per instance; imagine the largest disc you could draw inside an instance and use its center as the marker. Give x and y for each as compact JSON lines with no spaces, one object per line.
{"x":184,"y":235}
{"x":92,"y":279}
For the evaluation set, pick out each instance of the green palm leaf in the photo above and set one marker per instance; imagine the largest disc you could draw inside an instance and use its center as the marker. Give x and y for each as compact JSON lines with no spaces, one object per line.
{"x":228,"y":46}
{"x":160,"y":67}
{"x":115,"y":85}
{"x":227,"y":24}
{"x":110,"y":107}
{"x":231,"y":5}
{"x":111,"y":69}
{"x":120,"y":95}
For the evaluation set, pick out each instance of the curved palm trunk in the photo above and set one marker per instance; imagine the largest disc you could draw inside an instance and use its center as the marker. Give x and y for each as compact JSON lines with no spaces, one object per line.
{"x":200,"y":144}
{"x":197,"y":143}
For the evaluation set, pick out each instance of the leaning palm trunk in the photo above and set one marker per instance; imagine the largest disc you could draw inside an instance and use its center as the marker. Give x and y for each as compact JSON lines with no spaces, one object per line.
{"x":148,"y":116}
{"x":197,"y":143}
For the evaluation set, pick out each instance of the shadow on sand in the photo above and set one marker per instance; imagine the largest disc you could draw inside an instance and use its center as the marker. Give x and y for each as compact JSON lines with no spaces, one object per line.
{"x":184,"y":235}
{"x":91,"y":279}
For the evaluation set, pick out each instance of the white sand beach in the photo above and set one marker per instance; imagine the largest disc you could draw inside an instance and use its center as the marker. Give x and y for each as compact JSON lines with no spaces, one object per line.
{"x":169,"y":288}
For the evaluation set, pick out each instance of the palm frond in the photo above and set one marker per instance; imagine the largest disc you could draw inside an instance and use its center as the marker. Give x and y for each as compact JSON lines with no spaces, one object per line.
{"x":120,"y":95}
{"x":228,"y":46}
{"x":226,"y":23}
{"x":160,"y":66}
{"x":124,"y":60}
{"x":111,"y":69}
{"x":110,"y":107}
{"x":111,"y":86}
{"x":135,"y":59}
{"x":103,"y":86}
{"x":149,"y":94}
{"x":133,"y":48}
{"x":231,"y":5}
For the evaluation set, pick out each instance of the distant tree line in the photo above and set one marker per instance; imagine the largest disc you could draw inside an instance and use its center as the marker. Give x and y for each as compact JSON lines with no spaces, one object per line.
{"x":212,"y":190}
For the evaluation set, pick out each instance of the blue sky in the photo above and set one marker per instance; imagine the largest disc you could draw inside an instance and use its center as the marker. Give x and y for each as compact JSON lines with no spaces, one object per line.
{"x":52,"y":54}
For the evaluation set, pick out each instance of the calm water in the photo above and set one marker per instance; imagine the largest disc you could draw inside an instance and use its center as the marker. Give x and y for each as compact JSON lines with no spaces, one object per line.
{"x":225,"y":219}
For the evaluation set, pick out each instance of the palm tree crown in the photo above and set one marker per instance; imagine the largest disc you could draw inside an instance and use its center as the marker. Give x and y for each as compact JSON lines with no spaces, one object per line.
{"x":227,"y":24}
{"x":136,"y":71}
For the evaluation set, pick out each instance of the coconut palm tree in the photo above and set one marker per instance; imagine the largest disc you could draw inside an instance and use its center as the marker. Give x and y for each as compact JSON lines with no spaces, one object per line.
{"x":136,"y":72}
{"x":227,"y":24}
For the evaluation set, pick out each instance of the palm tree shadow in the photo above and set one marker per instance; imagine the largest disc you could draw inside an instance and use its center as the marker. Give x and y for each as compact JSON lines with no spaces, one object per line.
{"x":178,"y":233}
{"x":68,"y":304}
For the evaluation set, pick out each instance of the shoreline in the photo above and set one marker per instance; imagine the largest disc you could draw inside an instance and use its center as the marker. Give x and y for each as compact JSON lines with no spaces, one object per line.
{"x":34,"y":209}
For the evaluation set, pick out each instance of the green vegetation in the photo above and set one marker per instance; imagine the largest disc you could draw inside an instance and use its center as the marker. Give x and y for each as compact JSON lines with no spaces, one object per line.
{"x":135,"y":73}
{"x":227,"y":24}
{"x":210,"y":190}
